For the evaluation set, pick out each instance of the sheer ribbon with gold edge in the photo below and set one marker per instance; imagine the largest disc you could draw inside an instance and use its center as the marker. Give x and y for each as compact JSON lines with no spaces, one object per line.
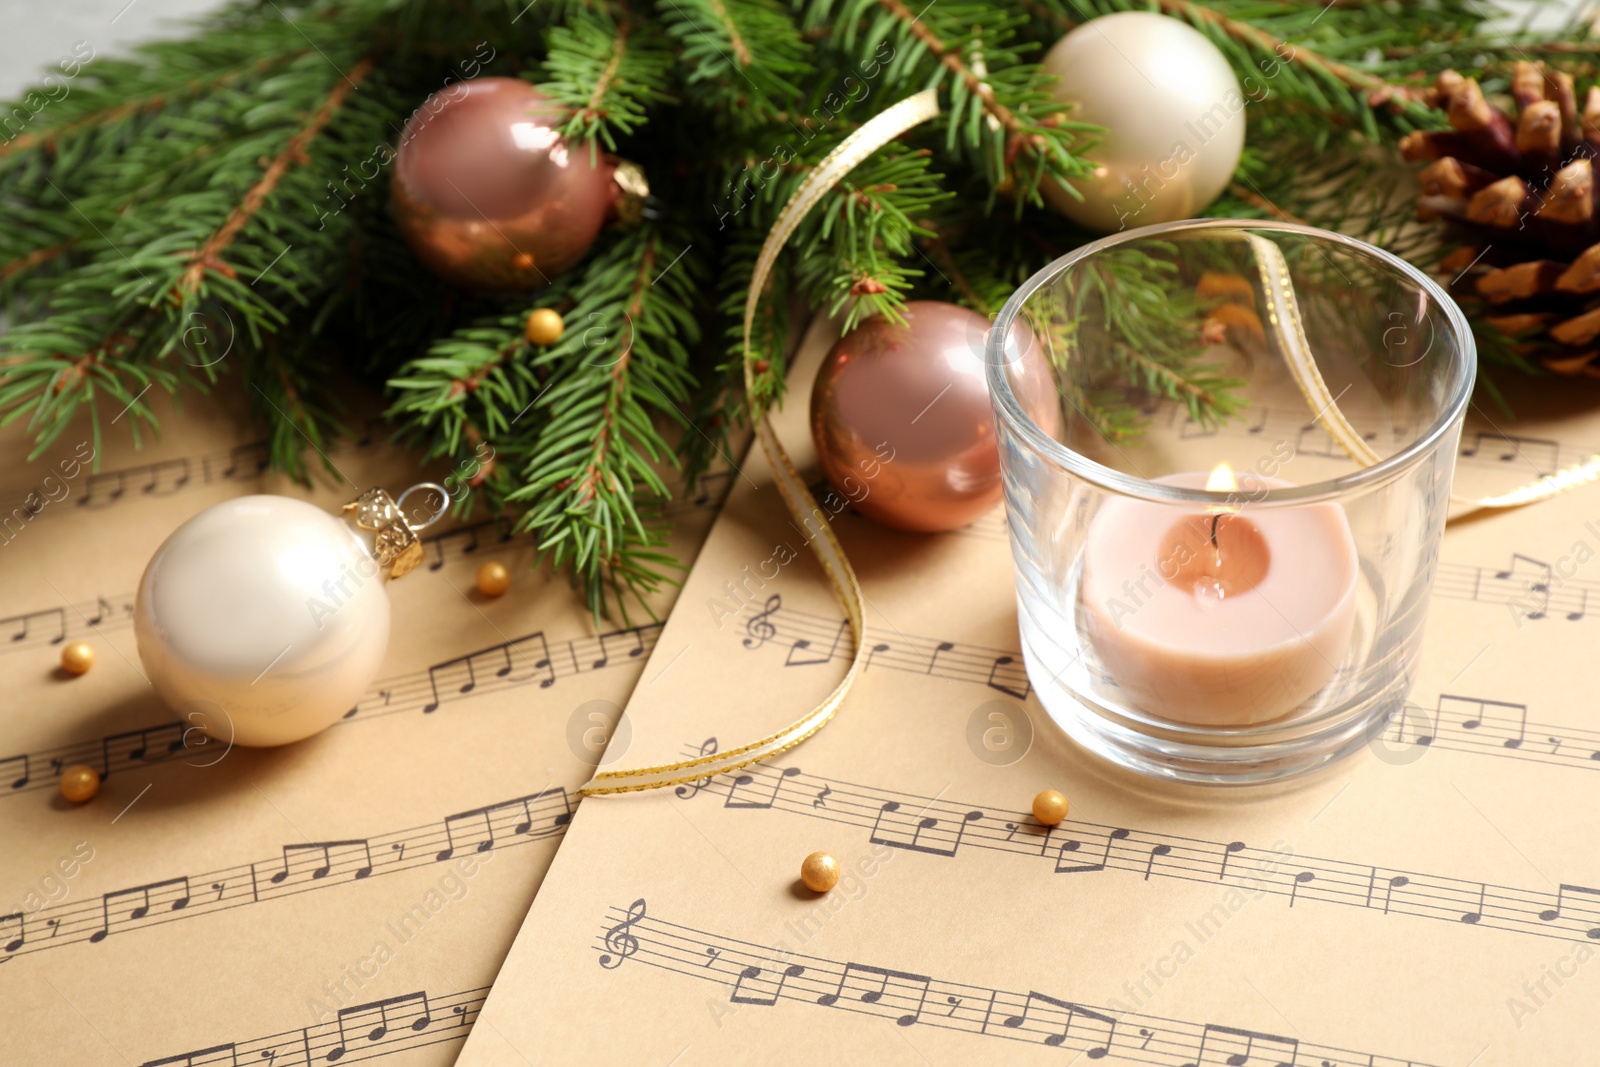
{"x":1284,"y":314}
{"x":876,"y":133}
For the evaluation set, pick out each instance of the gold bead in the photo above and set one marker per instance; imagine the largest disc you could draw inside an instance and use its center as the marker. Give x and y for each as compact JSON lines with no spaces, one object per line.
{"x":79,"y":783}
{"x":544,"y":326}
{"x":820,"y":872}
{"x":493,"y":579}
{"x":77,"y":657}
{"x":1050,"y":807}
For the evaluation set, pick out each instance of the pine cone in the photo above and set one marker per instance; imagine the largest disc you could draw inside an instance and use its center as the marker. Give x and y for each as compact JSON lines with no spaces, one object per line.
{"x":1519,"y":192}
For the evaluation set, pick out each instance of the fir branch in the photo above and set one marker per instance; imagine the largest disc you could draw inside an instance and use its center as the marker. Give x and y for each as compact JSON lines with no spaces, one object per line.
{"x":743,"y":58}
{"x":154,"y":100}
{"x":208,"y":257}
{"x":607,"y":74}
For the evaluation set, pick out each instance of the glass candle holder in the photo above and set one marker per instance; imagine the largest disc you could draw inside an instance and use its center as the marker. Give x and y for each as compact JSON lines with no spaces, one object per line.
{"x":1209,"y":587}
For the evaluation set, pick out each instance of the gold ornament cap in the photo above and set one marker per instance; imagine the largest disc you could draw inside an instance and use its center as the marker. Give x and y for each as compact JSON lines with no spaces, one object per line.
{"x":633,"y":189}
{"x":395,"y":543}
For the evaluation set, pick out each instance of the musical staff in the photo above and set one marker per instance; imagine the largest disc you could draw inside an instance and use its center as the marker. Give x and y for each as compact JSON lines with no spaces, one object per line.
{"x":52,"y":626}
{"x":792,"y":630}
{"x":759,"y":976}
{"x":939,"y":827}
{"x":1454,"y":723}
{"x":399,"y":1027}
{"x":300,"y":868}
{"x":522,"y":661}
{"x":246,"y":462}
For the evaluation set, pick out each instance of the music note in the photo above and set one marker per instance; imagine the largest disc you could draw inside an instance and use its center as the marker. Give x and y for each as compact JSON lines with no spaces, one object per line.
{"x":1582,"y":609}
{"x":929,"y":835}
{"x":220,"y":887}
{"x":711,"y":955}
{"x":151,"y":896}
{"x":461,"y":1010}
{"x":359,"y":1016}
{"x":1590,"y":900}
{"x":359,"y":851}
{"x":27,"y":624}
{"x":18,"y":770}
{"x":1473,"y":917}
{"x":1535,"y":586}
{"x":252,"y":458}
{"x":163,"y":740}
{"x":636,"y":651}
{"x":1283,"y":1055}
{"x":400,"y":847}
{"x":954,"y":1002}
{"x":1016,"y":684}
{"x":22,"y":930}
{"x":620,"y":942}
{"x":113,"y":493}
{"x":176,"y":472}
{"x":1478,"y":716}
{"x":535,"y":650}
{"x":822,"y":797}
{"x":773,"y":991}
{"x":1100,"y":1047}
{"x":943,"y":646}
{"x":1299,"y":880}
{"x":1399,"y":881}
{"x":215,"y":1056}
{"x":1227,"y":854}
{"x":906,"y":984}
{"x":745,"y":793}
{"x":1072,"y":845}
{"x":1147,"y":1035}
{"x":1159,"y":850}
{"x":801,"y":653}
{"x":759,"y":630}
{"x":101,"y":606}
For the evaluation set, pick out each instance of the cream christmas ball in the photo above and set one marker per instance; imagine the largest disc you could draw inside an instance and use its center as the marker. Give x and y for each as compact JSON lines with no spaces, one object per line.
{"x":266,"y":614}
{"x":1173,"y":113}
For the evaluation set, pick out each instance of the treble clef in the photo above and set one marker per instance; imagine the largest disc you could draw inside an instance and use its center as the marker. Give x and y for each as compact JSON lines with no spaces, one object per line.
{"x":760,"y":626}
{"x":620,"y":940}
{"x":708,"y":747}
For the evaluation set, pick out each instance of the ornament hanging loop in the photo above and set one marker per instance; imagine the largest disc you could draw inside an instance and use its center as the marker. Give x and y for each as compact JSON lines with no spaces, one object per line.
{"x":444,"y":506}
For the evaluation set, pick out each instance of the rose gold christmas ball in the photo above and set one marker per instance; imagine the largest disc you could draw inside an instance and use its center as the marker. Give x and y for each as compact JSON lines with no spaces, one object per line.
{"x":489,"y":196}
{"x":901,"y":419}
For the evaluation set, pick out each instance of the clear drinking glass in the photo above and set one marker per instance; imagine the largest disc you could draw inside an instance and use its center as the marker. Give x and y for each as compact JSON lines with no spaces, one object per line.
{"x":1226,"y":635}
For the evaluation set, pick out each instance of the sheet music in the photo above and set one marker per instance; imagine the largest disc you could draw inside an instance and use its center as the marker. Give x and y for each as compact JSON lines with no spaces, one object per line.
{"x":343,"y":899}
{"x":1419,"y":904}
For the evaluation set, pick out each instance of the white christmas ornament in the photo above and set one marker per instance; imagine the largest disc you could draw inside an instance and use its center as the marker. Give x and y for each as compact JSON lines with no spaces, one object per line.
{"x":263,"y":619}
{"x":1173,"y":113}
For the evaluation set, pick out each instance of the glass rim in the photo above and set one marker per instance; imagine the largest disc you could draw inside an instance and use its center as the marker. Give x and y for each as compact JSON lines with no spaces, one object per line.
{"x":1464,"y":366}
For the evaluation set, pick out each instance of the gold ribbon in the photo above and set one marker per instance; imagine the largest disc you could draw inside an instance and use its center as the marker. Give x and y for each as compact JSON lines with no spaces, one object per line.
{"x":873,"y":135}
{"x":1284,"y":312}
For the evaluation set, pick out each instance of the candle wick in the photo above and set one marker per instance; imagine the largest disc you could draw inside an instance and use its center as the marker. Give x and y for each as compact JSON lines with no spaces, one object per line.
{"x":1214,"y":520}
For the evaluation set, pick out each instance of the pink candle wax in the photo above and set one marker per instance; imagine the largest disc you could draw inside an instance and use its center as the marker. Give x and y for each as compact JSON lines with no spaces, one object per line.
{"x":1219,"y":618}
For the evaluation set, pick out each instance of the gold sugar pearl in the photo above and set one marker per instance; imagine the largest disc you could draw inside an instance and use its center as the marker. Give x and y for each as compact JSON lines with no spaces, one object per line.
{"x":544,"y":326}
{"x":819,"y":872}
{"x":79,"y":783}
{"x":493,"y":579}
{"x":1050,"y":807}
{"x":77,"y":657}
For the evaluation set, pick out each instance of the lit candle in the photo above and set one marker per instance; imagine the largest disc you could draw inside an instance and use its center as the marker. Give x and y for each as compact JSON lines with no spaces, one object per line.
{"x":1221,"y":618}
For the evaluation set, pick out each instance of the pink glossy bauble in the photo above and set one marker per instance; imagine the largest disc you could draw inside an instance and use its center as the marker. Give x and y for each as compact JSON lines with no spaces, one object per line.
{"x":901,"y":419}
{"x":489,"y":196}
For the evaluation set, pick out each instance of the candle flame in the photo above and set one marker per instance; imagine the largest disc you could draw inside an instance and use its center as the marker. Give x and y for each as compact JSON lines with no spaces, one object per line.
{"x":1221,"y":479}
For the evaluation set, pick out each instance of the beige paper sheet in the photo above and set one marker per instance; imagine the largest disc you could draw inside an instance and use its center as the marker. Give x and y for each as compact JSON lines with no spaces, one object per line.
{"x":273,"y":907}
{"x":1435,"y":899}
